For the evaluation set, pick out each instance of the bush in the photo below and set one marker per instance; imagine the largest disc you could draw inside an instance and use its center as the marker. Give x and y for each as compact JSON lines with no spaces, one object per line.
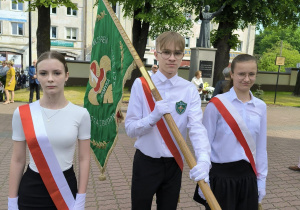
{"x":259,"y":93}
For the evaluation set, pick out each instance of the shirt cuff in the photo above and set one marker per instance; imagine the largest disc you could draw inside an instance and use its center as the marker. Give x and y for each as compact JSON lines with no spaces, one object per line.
{"x":261,"y":184}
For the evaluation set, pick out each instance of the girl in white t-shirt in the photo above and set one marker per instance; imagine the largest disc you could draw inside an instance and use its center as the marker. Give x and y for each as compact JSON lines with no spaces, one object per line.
{"x":65,"y":124}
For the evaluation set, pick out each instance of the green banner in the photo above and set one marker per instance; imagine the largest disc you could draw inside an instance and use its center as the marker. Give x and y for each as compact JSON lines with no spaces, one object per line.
{"x":111,"y":63}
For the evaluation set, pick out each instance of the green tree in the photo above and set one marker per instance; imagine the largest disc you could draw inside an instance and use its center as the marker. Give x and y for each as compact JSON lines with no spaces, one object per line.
{"x":267,"y":60}
{"x":151,"y":18}
{"x":269,"y":36}
{"x":44,"y":21}
{"x":238,"y":14}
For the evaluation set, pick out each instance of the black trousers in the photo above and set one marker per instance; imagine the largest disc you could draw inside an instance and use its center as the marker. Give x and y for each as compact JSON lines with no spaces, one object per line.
{"x":160,"y":176}
{"x":33,"y":194}
{"x":34,"y":87}
{"x":234,"y":186}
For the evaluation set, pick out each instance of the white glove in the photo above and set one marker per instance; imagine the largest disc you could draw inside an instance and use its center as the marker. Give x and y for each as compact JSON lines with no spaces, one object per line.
{"x":200,"y":171}
{"x":13,"y":203}
{"x":261,"y":194}
{"x":201,"y":193}
{"x":161,"y":108}
{"x":79,"y":202}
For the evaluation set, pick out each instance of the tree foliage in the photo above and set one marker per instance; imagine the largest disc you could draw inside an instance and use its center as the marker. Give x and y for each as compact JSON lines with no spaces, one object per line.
{"x":266,"y":39}
{"x":44,"y":21}
{"x":151,"y":18}
{"x":267,"y":61}
{"x":238,"y":14}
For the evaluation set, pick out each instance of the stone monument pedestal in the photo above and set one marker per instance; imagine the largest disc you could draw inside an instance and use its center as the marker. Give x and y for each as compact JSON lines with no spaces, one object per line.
{"x":203,"y":59}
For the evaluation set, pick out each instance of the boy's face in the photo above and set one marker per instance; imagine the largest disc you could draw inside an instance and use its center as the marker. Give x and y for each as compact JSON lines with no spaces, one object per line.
{"x":169,"y":67}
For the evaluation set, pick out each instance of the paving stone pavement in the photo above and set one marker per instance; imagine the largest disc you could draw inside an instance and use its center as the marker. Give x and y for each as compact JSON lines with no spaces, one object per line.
{"x":283,"y":185}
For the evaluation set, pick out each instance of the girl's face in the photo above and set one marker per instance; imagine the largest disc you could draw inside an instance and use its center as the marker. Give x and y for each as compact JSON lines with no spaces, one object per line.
{"x":244,"y":75}
{"x":199,"y":76}
{"x":52,"y":76}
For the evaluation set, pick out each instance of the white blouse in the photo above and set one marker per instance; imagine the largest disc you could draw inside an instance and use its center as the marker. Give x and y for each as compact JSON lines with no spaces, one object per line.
{"x":224,"y":145}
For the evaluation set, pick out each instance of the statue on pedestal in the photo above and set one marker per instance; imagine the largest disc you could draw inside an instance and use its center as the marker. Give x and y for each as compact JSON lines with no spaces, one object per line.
{"x":206,"y":17}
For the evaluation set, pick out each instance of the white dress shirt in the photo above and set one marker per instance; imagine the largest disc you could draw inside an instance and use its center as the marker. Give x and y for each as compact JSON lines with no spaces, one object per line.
{"x":225,"y":147}
{"x":149,"y":140}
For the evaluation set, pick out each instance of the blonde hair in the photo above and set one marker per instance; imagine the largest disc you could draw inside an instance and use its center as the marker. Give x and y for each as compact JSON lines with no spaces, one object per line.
{"x":10,"y":63}
{"x":197,"y":73}
{"x":168,"y":37}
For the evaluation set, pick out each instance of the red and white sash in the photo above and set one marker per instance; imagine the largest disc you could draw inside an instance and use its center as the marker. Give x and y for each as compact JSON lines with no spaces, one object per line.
{"x":44,"y":157}
{"x":162,"y":127}
{"x":238,"y":127}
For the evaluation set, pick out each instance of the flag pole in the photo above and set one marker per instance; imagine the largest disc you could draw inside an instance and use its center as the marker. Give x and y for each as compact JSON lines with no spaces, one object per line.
{"x":210,"y":198}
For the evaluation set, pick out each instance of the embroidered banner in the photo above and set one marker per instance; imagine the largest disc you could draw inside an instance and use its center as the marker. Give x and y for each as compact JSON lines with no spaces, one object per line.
{"x":111,"y":64}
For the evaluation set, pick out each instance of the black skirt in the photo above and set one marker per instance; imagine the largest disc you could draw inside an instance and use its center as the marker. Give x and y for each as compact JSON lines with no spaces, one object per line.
{"x":234,"y":186}
{"x":33,"y":193}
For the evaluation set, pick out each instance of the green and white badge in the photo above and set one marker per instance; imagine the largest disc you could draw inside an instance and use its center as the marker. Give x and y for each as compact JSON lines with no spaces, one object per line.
{"x":180,"y":107}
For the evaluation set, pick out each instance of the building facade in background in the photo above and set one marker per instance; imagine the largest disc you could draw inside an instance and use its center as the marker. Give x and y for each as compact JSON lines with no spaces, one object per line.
{"x":71,"y":33}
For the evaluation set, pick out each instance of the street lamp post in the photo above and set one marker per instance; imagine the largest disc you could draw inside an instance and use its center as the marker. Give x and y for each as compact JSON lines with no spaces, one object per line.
{"x":29,"y":23}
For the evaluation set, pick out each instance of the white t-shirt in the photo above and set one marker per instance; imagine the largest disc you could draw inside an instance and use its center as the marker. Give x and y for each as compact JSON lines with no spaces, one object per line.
{"x":66,"y":125}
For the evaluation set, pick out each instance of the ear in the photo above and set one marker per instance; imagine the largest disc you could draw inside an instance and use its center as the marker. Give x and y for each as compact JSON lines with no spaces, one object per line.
{"x":155,"y":54}
{"x":67,"y":76}
{"x":231,"y":75}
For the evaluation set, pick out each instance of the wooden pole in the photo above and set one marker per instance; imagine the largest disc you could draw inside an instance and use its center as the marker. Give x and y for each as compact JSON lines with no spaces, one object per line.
{"x":210,"y":198}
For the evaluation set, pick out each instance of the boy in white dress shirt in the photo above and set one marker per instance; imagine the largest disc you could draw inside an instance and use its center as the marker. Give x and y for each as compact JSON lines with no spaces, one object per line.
{"x":155,"y":169}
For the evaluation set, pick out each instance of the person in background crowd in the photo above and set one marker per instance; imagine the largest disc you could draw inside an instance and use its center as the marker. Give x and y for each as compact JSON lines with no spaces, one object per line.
{"x":198,"y":82}
{"x":236,"y":124}
{"x":153,"y":70}
{"x":10,"y":83}
{"x":3,"y":70}
{"x":56,"y":125}
{"x":34,"y":84}
{"x":222,"y":84}
{"x":23,"y":79}
{"x":18,"y":81}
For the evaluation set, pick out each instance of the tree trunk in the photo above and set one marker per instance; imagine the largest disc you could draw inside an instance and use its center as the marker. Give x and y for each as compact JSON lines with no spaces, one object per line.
{"x":222,"y":54}
{"x":297,"y":87}
{"x":43,"y":30}
{"x":140,"y":32}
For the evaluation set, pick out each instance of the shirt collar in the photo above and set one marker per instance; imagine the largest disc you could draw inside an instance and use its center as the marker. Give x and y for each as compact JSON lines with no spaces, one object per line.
{"x":233,"y":96}
{"x":163,"y":78}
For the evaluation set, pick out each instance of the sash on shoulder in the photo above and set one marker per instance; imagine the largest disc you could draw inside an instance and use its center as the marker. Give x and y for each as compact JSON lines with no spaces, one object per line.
{"x":162,"y":128}
{"x":44,"y":157}
{"x":238,"y":127}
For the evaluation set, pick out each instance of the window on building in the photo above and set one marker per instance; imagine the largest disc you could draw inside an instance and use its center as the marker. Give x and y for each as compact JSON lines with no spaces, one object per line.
{"x":187,"y":42}
{"x":16,"y":6}
{"x":71,"y":33}
{"x":17,"y":28}
{"x":239,"y":47}
{"x":53,"y":32}
{"x":53,"y":10}
{"x":72,"y":12}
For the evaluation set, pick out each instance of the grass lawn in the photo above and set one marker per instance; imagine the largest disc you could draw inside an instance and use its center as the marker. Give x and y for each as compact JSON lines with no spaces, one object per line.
{"x":76,"y":96}
{"x":73,"y":94}
{"x":282,"y":98}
